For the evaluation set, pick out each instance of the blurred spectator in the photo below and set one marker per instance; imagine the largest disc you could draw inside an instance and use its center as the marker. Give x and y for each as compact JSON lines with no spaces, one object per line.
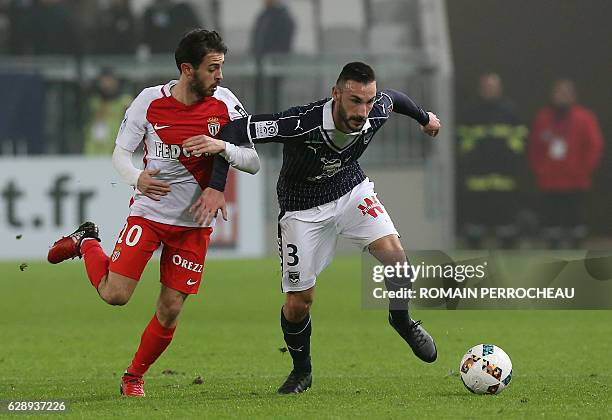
{"x":491,"y":148}
{"x":273,"y":30}
{"x":565,"y":146}
{"x":272,"y":34}
{"x":115,"y":29}
{"x":164,"y":22}
{"x":106,"y":107}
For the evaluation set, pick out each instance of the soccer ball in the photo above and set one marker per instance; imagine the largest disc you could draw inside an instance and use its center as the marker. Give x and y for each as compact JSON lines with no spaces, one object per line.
{"x":486,"y":369}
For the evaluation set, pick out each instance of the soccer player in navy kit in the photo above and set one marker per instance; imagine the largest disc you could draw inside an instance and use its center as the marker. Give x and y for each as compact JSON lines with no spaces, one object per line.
{"x":324,"y":193}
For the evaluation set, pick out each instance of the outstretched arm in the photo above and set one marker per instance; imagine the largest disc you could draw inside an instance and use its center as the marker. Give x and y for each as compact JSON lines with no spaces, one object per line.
{"x":242,"y":157}
{"x":236,"y":139}
{"x":403,"y":104}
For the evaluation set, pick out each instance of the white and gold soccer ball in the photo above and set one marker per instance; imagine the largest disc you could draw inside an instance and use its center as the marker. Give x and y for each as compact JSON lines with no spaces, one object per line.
{"x":486,"y":369}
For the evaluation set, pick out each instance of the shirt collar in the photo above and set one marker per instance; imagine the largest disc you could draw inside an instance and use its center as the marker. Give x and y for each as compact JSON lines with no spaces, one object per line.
{"x":328,"y":119}
{"x":166,"y":88}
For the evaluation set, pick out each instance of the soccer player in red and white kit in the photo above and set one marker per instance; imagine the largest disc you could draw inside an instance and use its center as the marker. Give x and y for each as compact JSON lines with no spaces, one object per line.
{"x":175,"y":200}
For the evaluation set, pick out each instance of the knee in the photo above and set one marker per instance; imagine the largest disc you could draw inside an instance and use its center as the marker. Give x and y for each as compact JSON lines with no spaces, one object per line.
{"x":297,"y":307}
{"x":388,"y":250}
{"x":116,"y":289}
{"x":115,"y":297}
{"x":389,"y":243}
{"x":168,"y":312}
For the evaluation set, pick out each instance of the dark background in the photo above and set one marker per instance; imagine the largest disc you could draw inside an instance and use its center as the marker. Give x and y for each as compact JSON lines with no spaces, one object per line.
{"x":530,"y":44}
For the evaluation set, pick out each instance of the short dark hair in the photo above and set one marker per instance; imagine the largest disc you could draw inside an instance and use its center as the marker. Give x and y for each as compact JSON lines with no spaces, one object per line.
{"x":194,"y":46}
{"x":357,"y":71}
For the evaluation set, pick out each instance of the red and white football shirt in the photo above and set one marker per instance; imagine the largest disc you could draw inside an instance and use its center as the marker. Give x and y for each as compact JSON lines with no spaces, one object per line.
{"x":163,"y":124}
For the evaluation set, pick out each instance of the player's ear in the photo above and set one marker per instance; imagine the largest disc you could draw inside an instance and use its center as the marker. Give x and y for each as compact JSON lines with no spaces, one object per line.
{"x":335,"y":93}
{"x":186,"y":69}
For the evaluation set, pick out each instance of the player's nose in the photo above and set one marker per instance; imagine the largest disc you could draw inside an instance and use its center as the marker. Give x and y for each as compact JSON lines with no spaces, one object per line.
{"x":363,"y":110}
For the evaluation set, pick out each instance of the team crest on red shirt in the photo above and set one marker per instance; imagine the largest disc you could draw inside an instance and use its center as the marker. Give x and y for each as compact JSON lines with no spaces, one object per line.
{"x":213,"y":126}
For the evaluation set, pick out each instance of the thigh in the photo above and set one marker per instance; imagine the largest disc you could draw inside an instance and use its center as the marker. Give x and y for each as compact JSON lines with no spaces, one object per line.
{"x":182,"y":259}
{"x":307,"y":242}
{"x":362,"y":218}
{"x":117,"y":285}
{"x":136,"y":243}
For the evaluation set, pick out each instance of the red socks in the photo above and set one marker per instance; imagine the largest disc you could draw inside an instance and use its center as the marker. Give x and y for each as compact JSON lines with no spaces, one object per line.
{"x":96,"y":261}
{"x":153,"y":342}
{"x":155,"y":337}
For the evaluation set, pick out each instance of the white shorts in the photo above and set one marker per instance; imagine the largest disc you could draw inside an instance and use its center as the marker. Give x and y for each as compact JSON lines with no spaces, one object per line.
{"x":307,"y":238}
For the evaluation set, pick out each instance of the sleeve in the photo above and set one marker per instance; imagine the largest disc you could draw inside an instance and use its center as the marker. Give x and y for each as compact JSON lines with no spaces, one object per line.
{"x":236,"y":133}
{"x":234,"y":107}
{"x":244,"y":132}
{"x":239,"y":151}
{"x":218,"y":177}
{"x":122,"y":162}
{"x":403,"y":104}
{"x":244,"y":159}
{"x":133,"y":126}
{"x":266,"y":128}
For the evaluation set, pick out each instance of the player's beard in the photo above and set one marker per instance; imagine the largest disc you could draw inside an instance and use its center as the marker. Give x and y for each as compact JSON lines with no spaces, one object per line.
{"x":348,"y":119}
{"x":197,"y":86}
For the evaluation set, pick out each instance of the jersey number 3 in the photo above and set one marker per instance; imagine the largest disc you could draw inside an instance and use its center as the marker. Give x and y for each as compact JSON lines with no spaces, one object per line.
{"x":293,"y":249}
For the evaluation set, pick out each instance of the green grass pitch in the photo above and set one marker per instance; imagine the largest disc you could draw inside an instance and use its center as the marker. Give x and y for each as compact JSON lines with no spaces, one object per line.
{"x":58,"y":340}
